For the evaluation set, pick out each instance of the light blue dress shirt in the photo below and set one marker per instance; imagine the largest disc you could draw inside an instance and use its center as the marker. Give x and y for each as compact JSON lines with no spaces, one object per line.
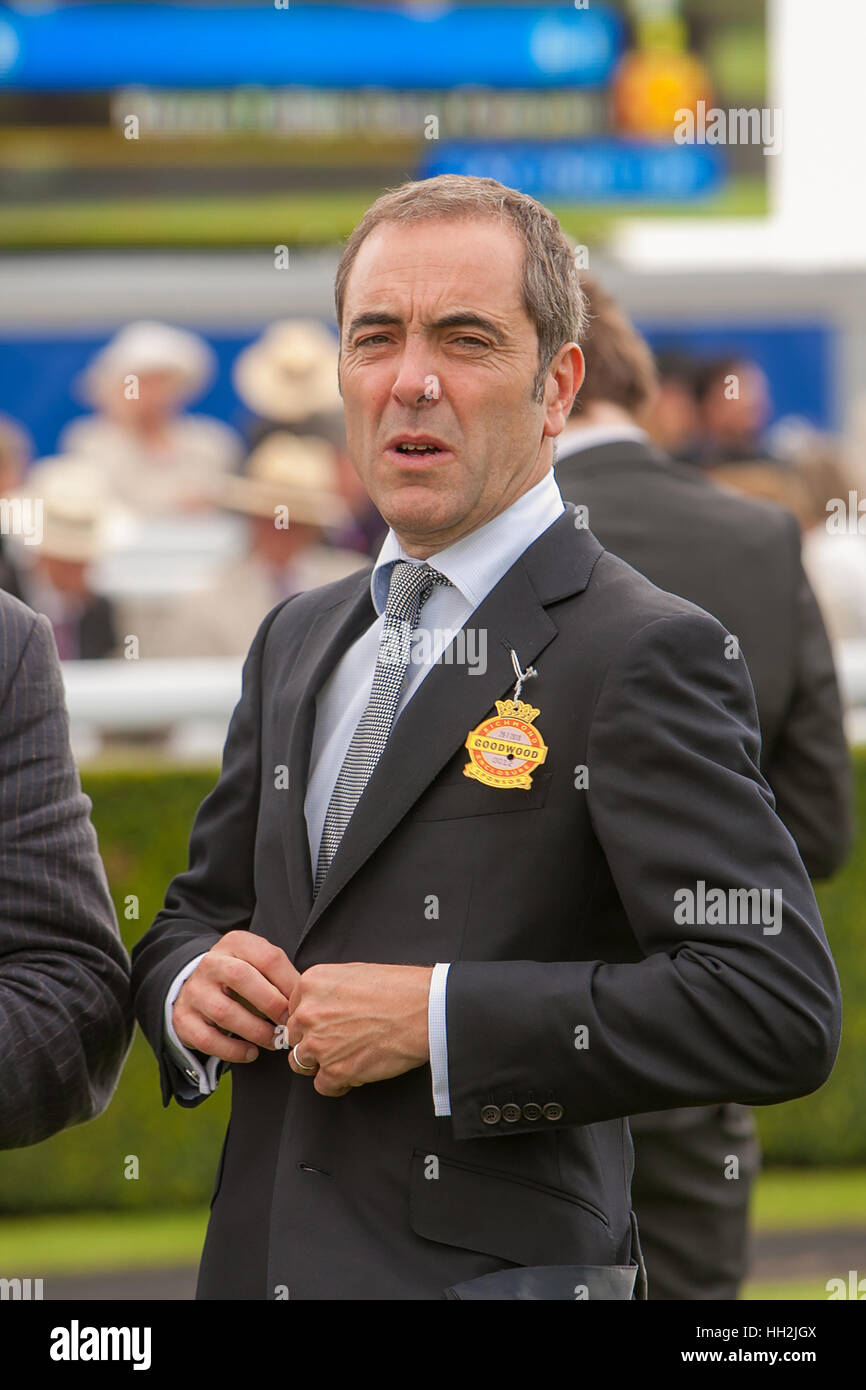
{"x":474,"y":564}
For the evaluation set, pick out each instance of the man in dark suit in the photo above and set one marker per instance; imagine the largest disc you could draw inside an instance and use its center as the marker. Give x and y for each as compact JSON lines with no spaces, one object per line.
{"x":65,"y":1013}
{"x":466,"y":895}
{"x":739,"y":560}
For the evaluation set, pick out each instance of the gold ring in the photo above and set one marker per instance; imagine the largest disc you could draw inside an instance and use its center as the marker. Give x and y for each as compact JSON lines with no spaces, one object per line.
{"x":299,"y":1063}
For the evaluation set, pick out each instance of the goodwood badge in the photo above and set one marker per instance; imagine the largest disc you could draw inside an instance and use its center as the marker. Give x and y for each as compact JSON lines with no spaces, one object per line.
{"x":505,"y":749}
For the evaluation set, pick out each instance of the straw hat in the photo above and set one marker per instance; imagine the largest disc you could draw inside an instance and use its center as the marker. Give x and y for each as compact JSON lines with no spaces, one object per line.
{"x":80,"y":521}
{"x":290,"y":372}
{"x":147,"y":346}
{"x":71,"y":535}
{"x":288,"y":470}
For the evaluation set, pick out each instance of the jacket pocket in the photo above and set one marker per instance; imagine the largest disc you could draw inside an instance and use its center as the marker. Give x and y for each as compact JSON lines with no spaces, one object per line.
{"x":598,"y":1283}
{"x":466,"y":797}
{"x":512,"y":1218}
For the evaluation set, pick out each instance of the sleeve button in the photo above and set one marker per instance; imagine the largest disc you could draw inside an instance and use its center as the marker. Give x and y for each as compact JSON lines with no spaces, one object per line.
{"x":511,"y":1113}
{"x":491,"y":1114}
{"x":553,"y":1110}
{"x":532,"y":1111}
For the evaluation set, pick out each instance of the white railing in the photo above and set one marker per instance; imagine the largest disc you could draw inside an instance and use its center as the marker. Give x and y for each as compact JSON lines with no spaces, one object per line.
{"x":190,"y":702}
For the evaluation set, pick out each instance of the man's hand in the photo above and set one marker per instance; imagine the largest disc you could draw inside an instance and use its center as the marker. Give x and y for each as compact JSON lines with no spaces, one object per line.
{"x":243,"y":982}
{"x":360,"y":1023}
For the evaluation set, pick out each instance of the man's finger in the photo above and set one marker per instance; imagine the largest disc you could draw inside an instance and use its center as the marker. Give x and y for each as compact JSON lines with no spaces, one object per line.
{"x":326,"y":1087}
{"x":247,"y":1004}
{"x":304,"y":1063}
{"x":247,"y":984}
{"x":270,"y":960}
{"x":202,"y":1036}
{"x":295,"y":997}
{"x":222,"y":983}
{"x":211,"y":1004}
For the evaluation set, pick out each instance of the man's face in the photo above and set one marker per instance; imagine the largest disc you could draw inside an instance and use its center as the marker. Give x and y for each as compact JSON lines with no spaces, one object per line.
{"x":66,"y":576}
{"x":159,"y":397}
{"x":436,"y":342}
{"x":738,"y":407}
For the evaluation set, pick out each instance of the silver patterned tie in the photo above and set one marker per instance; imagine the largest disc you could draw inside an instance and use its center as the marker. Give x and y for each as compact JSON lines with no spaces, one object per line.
{"x":411,"y":586}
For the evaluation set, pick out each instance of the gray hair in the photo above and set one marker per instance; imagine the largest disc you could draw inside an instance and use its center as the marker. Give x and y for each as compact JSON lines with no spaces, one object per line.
{"x":551,"y":289}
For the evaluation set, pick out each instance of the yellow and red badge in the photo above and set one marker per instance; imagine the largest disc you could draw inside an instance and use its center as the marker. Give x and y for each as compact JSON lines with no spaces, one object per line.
{"x":505,"y":749}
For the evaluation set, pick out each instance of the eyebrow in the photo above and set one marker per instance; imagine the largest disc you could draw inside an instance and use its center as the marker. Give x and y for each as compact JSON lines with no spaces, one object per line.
{"x":458,"y":319}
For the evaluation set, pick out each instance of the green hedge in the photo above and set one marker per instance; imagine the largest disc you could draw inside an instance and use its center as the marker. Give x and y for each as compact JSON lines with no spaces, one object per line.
{"x":829,"y":1126}
{"x":143,"y":820}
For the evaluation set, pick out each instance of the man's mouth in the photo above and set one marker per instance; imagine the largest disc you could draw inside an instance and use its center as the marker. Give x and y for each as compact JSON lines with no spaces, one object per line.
{"x":423,"y":447}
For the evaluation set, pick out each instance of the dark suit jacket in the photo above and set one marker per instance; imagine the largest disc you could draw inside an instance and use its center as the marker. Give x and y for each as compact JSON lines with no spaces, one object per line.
{"x":65,"y":1012}
{"x":97,"y":630}
{"x":97,"y":634}
{"x":740,"y":560}
{"x":556,"y":905}
{"x":10,"y":580}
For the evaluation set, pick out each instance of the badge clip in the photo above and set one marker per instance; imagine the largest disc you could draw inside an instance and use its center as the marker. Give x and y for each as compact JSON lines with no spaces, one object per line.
{"x":522,"y":676}
{"x":505,"y":749}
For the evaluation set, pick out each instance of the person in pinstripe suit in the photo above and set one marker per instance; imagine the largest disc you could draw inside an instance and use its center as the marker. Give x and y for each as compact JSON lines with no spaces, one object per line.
{"x":65,"y":1013}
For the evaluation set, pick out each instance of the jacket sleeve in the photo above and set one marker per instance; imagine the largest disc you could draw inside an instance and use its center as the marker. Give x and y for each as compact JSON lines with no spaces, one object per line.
{"x":713,"y":1013}
{"x":216,"y":893}
{"x":809,"y":768}
{"x":65,"y":1013}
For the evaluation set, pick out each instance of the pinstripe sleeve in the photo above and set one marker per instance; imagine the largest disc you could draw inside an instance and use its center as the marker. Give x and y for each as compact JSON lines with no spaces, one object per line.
{"x":65,"y":1012}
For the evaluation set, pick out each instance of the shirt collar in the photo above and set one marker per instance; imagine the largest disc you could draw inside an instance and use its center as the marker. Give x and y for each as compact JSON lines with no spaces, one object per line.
{"x":476,"y":562}
{"x":578,"y":437}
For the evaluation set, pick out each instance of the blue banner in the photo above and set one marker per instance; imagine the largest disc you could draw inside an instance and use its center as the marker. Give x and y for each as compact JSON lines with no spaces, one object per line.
{"x":590,"y":171}
{"x":78,"y":47}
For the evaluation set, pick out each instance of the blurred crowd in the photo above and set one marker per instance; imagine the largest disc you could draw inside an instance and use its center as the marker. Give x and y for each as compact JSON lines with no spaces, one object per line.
{"x":713,"y":415}
{"x":167,"y":533}
{"x":156,"y":531}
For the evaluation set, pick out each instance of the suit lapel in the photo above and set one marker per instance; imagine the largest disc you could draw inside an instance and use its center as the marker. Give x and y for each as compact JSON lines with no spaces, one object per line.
{"x":449,"y":702}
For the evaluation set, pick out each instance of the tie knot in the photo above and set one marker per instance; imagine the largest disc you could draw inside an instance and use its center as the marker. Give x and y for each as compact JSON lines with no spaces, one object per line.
{"x":410,"y":586}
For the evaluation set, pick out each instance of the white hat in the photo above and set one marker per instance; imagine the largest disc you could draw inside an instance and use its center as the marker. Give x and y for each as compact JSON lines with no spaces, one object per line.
{"x":293,"y":471}
{"x":80,"y":520}
{"x":71,"y":535}
{"x":147,"y":346}
{"x":290,"y":372}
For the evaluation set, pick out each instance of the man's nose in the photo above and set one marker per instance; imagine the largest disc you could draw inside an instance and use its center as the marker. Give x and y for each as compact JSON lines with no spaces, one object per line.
{"x":416,"y":380}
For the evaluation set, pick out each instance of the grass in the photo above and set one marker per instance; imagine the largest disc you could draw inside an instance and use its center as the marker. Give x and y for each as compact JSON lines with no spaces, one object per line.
{"x":301,"y":219}
{"x":803,"y":1199}
{"x":806,"y":1290}
{"x":91,"y":1241}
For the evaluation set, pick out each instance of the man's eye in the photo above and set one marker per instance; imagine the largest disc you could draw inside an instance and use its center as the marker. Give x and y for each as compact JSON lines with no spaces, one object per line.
{"x":468,"y":338}
{"x":373,"y":337}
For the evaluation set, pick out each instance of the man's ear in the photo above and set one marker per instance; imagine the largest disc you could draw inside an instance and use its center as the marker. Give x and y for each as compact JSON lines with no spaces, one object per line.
{"x":580,"y":371}
{"x":567,"y":368}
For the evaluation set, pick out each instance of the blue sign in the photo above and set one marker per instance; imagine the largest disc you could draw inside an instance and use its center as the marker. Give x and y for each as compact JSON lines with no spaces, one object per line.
{"x":801,"y":360}
{"x":586,"y":171}
{"x":104,"y":46}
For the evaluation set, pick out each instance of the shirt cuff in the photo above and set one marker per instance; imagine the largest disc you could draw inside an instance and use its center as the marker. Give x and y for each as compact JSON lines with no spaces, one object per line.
{"x":438,"y":1038}
{"x":204,"y":1078}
